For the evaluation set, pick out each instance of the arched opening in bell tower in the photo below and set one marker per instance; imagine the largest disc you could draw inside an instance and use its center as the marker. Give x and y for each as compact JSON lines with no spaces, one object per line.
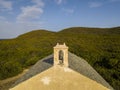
{"x":61,"y":57}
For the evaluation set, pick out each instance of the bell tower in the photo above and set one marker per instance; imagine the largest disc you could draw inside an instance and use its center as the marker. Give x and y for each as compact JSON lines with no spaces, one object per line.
{"x":61,"y":55}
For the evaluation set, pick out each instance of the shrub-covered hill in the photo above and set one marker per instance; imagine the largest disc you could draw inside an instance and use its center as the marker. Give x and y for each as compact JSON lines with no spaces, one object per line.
{"x":98,"y":46}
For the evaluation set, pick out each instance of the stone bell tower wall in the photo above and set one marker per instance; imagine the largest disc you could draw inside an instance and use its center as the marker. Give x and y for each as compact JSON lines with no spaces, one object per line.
{"x":64,"y":49}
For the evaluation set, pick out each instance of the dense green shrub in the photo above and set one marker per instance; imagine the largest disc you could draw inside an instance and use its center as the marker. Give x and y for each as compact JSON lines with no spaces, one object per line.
{"x":113,"y":62}
{"x":9,"y":69}
{"x":31,"y":61}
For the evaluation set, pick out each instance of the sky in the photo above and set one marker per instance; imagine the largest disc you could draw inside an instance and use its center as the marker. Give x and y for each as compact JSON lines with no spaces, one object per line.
{"x":21,"y":16}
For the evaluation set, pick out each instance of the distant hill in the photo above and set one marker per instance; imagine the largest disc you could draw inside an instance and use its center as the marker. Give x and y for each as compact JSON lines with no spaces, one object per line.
{"x":4,"y":39}
{"x":84,"y":30}
{"x":100,"y":47}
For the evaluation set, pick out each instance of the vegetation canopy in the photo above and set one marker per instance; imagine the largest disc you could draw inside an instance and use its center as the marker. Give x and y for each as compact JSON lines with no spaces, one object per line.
{"x":100,"y":47}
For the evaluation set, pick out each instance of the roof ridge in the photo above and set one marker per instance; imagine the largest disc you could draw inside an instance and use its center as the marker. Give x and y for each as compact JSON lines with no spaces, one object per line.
{"x":76,"y":63}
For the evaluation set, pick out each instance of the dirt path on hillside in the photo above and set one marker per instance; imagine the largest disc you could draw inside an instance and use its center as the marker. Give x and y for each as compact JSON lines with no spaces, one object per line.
{"x":6,"y":84}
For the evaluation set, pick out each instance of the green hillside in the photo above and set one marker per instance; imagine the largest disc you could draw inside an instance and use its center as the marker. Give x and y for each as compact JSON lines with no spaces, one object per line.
{"x":99,"y":46}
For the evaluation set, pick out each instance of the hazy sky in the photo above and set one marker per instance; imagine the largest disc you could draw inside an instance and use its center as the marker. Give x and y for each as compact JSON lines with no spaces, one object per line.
{"x":20,"y":16}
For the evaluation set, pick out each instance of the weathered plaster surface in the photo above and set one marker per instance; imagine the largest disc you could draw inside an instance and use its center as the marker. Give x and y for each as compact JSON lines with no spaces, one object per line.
{"x":59,"y":78}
